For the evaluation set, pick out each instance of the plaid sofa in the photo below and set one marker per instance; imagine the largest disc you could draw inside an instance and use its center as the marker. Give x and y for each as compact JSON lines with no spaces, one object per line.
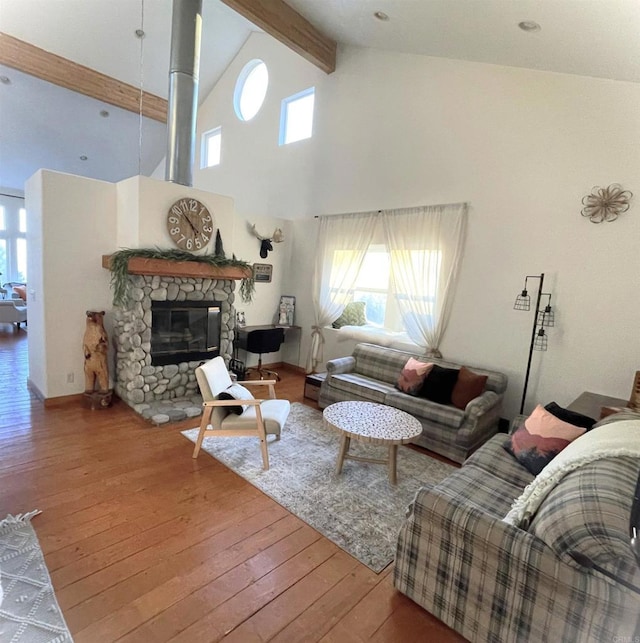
{"x":370,"y":374}
{"x":571,"y":576}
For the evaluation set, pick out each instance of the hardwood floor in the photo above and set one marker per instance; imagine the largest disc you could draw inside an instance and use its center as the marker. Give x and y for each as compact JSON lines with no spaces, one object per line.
{"x":145,"y":544}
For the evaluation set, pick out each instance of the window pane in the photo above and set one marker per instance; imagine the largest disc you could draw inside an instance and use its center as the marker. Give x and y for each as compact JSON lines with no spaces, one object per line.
{"x":376,"y":305}
{"x":4,"y":272}
{"x":251,"y":89}
{"x":22,"y":220}
{"x":298,"y":117}
{"x":375,"y":271}
{"x":22,"y":259}
{"x":212,"y":145}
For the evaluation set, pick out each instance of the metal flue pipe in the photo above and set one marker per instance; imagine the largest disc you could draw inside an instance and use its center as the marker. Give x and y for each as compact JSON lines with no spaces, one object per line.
{"x":184,"y":65}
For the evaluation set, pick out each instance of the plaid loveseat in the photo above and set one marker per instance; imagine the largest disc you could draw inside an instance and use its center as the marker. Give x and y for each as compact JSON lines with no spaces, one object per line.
{"x":370,"y":374}
{"x":571,"y":576}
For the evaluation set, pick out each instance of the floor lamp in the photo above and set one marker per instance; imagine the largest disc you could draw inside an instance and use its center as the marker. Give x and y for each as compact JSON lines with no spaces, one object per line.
{"x":542,"y":318}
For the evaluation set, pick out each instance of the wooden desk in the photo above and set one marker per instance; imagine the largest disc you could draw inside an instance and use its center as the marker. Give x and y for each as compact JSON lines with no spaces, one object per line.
{"x":591,"y":404}
{"x":240,"y":341}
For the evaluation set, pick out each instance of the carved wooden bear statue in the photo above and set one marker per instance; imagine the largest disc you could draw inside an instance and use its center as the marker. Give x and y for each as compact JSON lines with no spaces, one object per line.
{"x":95,"y":353}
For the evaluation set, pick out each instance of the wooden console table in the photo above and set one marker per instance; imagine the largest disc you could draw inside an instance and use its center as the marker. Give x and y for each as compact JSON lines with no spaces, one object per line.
{"x":591,"y":404}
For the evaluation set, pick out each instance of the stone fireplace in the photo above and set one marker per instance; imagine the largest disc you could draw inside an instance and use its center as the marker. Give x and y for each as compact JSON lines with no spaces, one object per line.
{"x":204,"y":302}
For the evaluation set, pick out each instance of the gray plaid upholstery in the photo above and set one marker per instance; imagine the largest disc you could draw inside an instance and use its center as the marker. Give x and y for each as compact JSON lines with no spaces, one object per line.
{"x":494,"y":582}
{"x":370,"y":374}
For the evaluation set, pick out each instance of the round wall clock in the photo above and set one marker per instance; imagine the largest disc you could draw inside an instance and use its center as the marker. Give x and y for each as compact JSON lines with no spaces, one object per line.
{"x":190,"y":224}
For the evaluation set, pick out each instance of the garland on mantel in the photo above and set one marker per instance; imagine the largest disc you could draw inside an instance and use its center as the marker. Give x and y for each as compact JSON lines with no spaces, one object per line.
{"x":119,"y":267}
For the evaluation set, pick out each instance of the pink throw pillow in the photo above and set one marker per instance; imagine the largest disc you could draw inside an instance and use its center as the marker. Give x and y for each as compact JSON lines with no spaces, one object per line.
{"x":540,"y":439}
{"x":412,"y":376}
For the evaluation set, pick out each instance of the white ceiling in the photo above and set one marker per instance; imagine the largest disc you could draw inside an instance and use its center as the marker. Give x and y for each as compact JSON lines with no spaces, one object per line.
{"x":46,"y":126}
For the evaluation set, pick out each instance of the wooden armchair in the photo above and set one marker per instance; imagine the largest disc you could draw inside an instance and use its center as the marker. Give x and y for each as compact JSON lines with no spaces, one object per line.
{"x":258,"y":417}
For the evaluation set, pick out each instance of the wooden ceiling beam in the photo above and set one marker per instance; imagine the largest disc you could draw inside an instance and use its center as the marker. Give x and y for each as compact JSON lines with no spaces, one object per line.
{"x":285,"y":24}
{"x":60,"y":71}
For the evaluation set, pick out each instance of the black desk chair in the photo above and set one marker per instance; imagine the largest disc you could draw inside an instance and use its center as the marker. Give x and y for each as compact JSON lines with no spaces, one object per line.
{"x":261,"y":341}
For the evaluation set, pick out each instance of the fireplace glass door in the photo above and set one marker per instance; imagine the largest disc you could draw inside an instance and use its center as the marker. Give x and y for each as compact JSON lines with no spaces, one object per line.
{"x":184,"y":331}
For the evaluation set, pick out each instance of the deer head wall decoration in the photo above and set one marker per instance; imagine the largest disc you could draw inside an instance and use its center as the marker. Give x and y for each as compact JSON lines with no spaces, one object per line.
{"x":266,"y":242}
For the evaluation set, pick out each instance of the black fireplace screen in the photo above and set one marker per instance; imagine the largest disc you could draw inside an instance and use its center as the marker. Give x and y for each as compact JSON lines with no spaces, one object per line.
{"x":184,"y":331}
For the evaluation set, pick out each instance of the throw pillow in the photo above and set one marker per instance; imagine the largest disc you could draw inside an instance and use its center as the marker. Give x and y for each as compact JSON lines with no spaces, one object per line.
{"x":577,"y":419}
{"x":22,"y":291}
{"x":540,"y":439}
{"x":438,"y":385}
{"x":236,"y":392}
{"x":352,"y":315}
{"x":412,"y":377}
{"x":469,"y":385}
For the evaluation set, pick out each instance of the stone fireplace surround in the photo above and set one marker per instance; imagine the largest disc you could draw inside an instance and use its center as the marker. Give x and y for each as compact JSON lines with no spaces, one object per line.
{"x":170,"y":392}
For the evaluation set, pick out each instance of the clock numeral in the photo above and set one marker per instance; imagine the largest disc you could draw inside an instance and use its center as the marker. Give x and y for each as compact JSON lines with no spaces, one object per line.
{"x":173,"y":220}
{"x":205,"y":238}
{"x":174,"y":231}
{"x":181,"y":239}
{"x":198,"y":243}
{"x":189,"y":244}
{"x":193,"y":205}
{"x":176,"y":210}
{"x":207,"y":228}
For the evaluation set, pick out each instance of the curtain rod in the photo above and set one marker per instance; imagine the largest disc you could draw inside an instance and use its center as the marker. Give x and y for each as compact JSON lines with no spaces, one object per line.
{"x":13,"y":196}
{"x":409,"y":207}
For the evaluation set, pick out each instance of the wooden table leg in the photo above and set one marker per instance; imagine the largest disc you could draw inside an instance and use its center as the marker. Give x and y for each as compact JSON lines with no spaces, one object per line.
{"x":344,"y":448}
{"x":393,"y":456}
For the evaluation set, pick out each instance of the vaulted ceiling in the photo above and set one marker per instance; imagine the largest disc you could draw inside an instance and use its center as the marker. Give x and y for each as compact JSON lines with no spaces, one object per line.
{"x":46,"y":125}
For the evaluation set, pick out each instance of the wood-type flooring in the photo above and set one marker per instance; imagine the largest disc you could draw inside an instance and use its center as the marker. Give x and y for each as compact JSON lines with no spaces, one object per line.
{"x":145,"y":544}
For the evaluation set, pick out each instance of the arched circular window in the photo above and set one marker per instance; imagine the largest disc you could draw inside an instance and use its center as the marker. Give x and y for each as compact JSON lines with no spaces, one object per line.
{"x":251,"y":89}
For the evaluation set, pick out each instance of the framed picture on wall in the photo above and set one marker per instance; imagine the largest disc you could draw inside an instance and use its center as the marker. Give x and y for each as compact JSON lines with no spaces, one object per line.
{"x":286,"y":310}
{"x":262,"y":272}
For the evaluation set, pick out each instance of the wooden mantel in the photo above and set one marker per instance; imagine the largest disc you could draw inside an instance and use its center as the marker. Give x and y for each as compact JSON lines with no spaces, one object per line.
{"x":166,"y":268}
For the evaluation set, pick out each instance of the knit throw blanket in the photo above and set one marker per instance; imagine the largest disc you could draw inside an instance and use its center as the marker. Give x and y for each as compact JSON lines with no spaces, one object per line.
{"x":608,"y":441}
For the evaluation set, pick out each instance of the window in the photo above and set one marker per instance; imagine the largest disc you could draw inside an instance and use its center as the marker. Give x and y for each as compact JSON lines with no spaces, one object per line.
{"x":374,"y":286}
{"x":211,"y":148}
{"x":296,"y":117}
{"x":13,"y":242}
{"x":251,"y":89}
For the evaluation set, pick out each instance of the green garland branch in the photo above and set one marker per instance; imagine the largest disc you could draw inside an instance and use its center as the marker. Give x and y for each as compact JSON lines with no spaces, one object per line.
{"x":119,"y":267}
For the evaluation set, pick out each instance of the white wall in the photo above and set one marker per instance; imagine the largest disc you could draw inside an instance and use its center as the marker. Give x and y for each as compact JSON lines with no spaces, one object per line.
{"x":523,"y":147}
{"x":71,"y":223}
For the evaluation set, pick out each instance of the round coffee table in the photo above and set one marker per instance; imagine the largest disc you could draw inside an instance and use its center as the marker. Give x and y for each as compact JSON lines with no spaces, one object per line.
{"x":371,"y":422}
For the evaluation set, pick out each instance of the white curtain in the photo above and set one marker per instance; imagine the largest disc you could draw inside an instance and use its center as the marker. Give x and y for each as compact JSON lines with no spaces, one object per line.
{"x":342,"y":244}
{"x":425,"y":247}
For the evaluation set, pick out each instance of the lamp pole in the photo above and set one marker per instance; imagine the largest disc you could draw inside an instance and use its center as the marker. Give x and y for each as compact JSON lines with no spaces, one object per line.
{"x":533,"y":337}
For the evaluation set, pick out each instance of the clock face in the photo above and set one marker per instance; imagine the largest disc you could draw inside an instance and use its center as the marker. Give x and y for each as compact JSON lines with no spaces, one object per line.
{"x":190,"y":224}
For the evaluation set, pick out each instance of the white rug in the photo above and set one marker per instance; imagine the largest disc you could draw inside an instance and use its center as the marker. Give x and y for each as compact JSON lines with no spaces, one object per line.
{"x":29,"y":611}
{"x":359,"y":510}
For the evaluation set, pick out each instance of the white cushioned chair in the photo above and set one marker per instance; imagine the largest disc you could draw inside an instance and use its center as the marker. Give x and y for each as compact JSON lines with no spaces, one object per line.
{"x":259,"y":417}
{"x":13,"y":311}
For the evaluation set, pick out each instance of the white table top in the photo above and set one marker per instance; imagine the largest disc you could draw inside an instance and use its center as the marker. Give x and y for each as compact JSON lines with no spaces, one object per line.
{"x":371,"y":422}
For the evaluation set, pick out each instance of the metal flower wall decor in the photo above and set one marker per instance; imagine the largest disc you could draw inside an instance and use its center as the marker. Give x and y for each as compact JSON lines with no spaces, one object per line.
{"x":605,"y":204}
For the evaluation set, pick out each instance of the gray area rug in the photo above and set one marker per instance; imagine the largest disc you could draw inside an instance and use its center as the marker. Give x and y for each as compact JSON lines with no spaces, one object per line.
{"x":29,"y":611}
{"x":359,"y":510}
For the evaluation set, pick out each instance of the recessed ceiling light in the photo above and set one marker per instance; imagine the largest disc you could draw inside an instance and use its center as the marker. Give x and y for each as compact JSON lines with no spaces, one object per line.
{"x":529,"y":25}
{"x":5,"y":80}
{"x":104,"y":113}
{"x":83,"y":158}
{"x":381,"y":15}
{"x":140,"y":33}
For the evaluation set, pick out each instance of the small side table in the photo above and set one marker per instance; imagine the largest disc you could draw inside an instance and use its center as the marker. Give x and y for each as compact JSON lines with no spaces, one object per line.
{"x":312,"y":385}
{"x":591,"y":404}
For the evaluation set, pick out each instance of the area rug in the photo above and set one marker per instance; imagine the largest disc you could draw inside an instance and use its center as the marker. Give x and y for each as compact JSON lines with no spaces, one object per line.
{"x":29,"y":611}
{"x":359,"y":510}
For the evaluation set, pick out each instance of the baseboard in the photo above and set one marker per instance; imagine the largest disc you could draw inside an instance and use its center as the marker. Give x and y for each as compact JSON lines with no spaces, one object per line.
{"x":63,"y":400}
